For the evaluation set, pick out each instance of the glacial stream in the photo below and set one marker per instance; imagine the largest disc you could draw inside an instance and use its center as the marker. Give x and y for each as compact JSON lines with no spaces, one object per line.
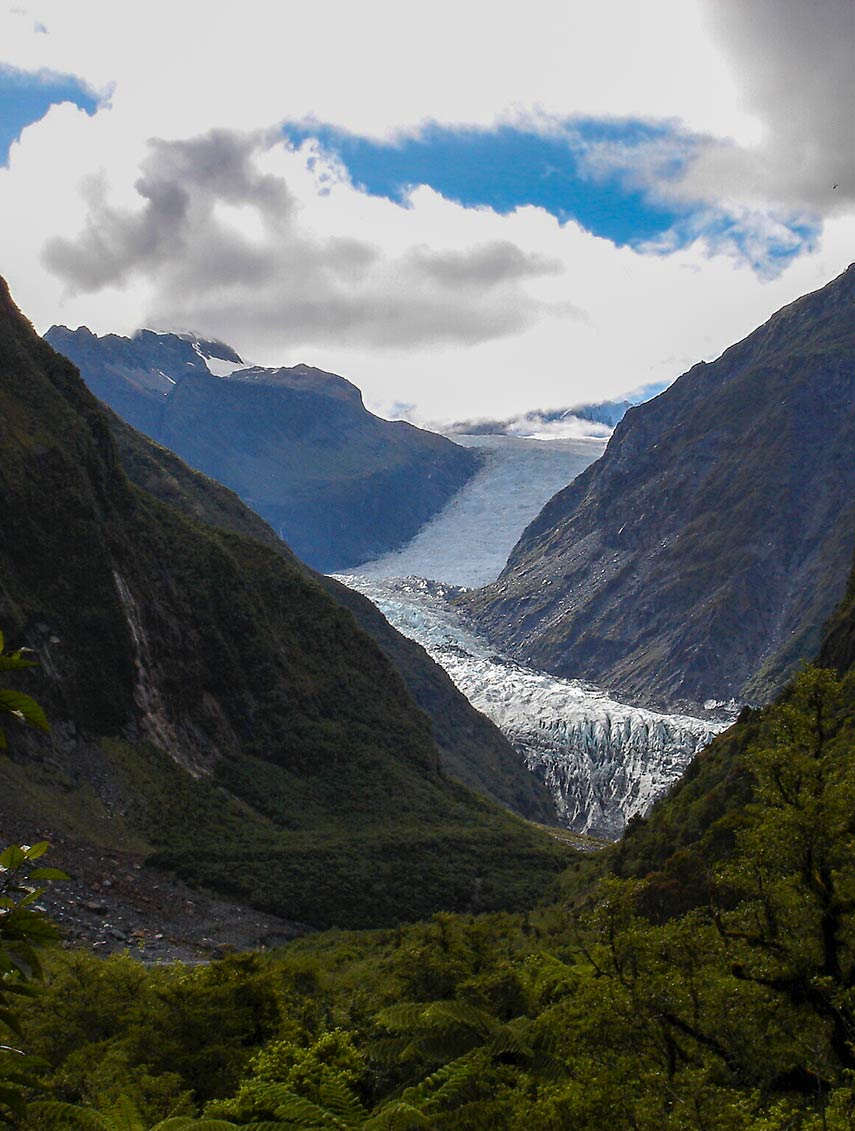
{"x":603,"y":761}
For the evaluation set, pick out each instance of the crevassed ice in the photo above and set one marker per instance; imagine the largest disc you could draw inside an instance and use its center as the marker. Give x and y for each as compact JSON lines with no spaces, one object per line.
{"x":602,"y":760}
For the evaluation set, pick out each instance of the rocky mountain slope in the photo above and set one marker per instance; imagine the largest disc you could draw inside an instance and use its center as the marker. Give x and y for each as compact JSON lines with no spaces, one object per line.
{"x":701,"y":555}
{"x":472,"y":748}
{"x":696,"y":824}
{"x":339,"y":484}
{"x":214,"y":711}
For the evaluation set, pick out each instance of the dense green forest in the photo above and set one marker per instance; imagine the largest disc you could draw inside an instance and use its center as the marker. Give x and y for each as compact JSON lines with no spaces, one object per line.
{"x":698,"y":975}
{"x":707,"y":987}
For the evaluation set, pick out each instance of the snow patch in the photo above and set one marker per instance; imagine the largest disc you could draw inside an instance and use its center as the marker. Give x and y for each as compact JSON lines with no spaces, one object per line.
{"x":219,"y":367}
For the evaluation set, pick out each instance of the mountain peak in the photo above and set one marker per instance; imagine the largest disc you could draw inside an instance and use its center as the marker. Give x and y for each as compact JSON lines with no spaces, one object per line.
{"x":212,"y":348}
{"x":339,"y":484}
{"x":302,"y":378}
{"x":701,"y":555}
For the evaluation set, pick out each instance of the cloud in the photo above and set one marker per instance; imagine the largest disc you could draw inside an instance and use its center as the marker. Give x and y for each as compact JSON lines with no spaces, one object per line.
{"x":26,"y":96}
{"x":460,"y":311}
{"x":530,"y":425}
{"x":489,"y":265}
{"x":768,"y":240}
{"x":759,"y":199}
{"x":189,"y":236}
{"x":795,"y":66}
{"x":179,"y":186}
{"x":380,"y":68}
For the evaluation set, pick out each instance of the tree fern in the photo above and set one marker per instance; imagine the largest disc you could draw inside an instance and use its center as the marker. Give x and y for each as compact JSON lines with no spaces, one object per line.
{"x":124,"y":1115}
{"x":341,"y":1101}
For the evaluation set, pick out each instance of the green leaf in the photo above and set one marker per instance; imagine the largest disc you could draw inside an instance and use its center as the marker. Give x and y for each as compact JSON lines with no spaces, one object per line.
{"x":404,"y":1015}
{"x":12,"y":1099}
{"x":14,"y":661}
{"x":23,"y":707}
{"x":31,"y":897}
{"x":10,"y":1020}
{"x":398,"y":1116}
{"x":189,"y":1123}
{"x":49,"y":874}
{"x":338,"y":1099}
{"x":54,"y":1111}
{"x":295,"y":1111}
{"x":12,"y":857}
{"x":264,"y":1125}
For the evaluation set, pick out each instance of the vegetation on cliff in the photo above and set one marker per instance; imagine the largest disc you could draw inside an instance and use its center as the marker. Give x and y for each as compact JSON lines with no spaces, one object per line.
{"x":701,"y":977}
{"x":213,"y":707}
{"x":609,"y":1007}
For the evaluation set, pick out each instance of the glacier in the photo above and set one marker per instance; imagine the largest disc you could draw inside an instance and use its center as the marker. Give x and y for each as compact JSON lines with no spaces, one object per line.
{"x":470,"y":539}
{"x":603,"y":761}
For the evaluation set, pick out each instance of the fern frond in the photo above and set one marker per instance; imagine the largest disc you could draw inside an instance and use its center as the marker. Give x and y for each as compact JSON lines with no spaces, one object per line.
{"x":189,"y":1123}
{"x":393,"y":1050}
{"x":444,"y":1015}
{"x":512,"y":1039}
{"x":406,"y":1015}
{"x":297,"y":1111}
{"x":55,"y":1110}
{"x":341,"y":1102}
{"x":398,"y":1116}
{"x":445,"y":1086}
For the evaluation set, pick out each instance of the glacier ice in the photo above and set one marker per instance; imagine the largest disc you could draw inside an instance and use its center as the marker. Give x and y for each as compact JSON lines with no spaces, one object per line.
{"x":603,"y":761}
{"x":469,"y":541}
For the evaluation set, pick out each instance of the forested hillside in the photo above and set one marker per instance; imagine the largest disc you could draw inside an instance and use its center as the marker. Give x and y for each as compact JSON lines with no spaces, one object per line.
{"x":716,"y":994}
{"x":472,"y":749}
{"x":214,"y":710}
{"x":699,"y":975}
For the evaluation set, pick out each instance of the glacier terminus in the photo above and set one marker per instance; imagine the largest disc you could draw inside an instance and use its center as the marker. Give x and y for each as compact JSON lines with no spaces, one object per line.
{"x":603,"y":761}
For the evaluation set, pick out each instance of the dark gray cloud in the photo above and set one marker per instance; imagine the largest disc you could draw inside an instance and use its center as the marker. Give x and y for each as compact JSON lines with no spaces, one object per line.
{"x":180,"y":184}
{"x":764,"y":204}
{"x":794,"y":61}
{"x":487,"y":265}
{"x":291,"y":284}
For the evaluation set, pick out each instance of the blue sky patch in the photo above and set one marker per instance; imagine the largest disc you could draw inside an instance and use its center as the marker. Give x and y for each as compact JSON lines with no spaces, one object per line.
{"x":26,"y":98}
{"x":600,"y":173}
{"x":767,"y":242}
{"x":509,"y":167}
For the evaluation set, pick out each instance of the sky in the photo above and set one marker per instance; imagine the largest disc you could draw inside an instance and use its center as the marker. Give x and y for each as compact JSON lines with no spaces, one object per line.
{"x":469,"y":210}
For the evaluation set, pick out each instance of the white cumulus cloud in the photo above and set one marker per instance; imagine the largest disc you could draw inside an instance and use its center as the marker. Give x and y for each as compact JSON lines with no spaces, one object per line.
{"x":178,"y":205}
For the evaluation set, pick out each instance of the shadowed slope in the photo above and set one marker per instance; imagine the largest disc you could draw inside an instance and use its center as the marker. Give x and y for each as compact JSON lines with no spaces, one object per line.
{"x":700,"y":555}
{"x":472,"y":748}
{"x":339,"y":484}
{"x":211,"y":703}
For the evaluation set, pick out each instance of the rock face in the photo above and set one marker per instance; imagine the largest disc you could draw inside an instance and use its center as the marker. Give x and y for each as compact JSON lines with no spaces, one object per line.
{"x":339,"y":484}
{"x":702,"y":554}
{"x":472,"y":749}
{"x":213,"y":709}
